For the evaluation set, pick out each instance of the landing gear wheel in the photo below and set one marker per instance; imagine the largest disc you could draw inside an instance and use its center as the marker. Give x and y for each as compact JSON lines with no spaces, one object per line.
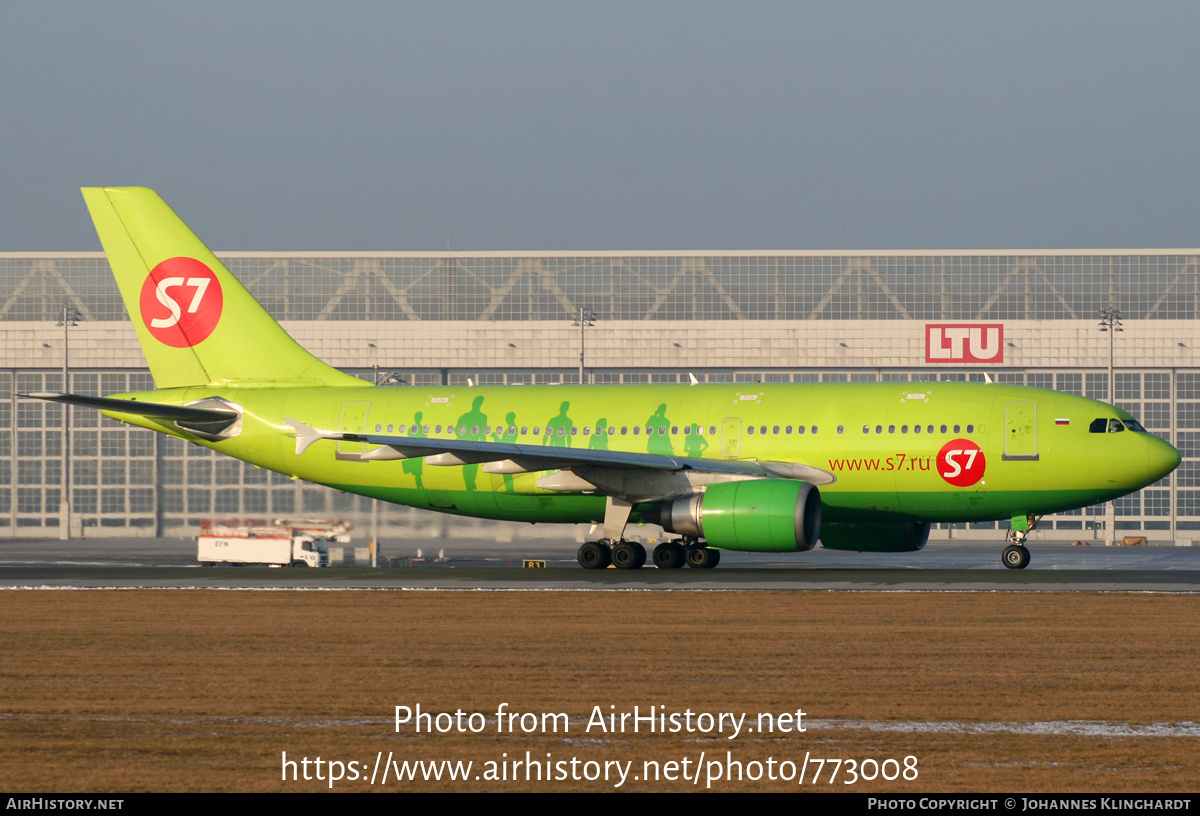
{"x":1015,"y":557}
{"x":702,"y":557}
{"x":669,"y":555}
{"x":628,"y":555}
{"x":594,"y":555}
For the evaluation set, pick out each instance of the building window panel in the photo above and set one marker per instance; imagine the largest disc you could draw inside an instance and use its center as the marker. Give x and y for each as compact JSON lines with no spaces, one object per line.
{"x":227,"y":501}
{"x":199,"y":500}
{"x":29,"y":443}
{"x":141,"y":500}
{"x":84,"y":500}
{"x":112,"y":472}
{"x":29,"y":472}
{"x":85,"y":472}
{"x":199,"y":472}
{"x":85,"y":443}
{"x":29,"y":500}
{"x":112,"y":443}
{"x":112,"y":500}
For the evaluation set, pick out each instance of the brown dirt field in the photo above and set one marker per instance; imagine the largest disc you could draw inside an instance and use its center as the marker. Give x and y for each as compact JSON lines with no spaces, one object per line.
{"x":202,"y":690}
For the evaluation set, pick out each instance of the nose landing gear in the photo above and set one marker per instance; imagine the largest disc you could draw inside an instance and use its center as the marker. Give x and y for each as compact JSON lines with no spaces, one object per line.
{"x":1016,"y":556}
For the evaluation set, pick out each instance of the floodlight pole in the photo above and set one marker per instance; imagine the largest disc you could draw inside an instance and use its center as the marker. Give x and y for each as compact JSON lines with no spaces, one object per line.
{"x":584,"y":319}
{"x":1110,"y":321}
{"x":67,"y":319}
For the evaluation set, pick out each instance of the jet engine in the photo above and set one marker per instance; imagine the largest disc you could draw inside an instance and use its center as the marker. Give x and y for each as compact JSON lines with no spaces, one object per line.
{"x":757,"y":515}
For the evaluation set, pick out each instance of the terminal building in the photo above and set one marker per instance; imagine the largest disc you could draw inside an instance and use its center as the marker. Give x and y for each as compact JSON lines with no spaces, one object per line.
{"x":411,"y":320}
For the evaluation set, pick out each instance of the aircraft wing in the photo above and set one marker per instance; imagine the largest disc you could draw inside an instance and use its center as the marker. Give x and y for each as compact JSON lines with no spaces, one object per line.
{"x":506,"y":457}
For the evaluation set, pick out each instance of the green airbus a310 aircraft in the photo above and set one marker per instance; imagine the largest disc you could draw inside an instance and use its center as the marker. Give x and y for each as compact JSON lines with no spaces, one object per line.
{"x":760,"y":468}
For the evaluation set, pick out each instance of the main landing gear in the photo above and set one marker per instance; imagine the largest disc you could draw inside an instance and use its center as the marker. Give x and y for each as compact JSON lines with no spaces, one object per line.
{"x":632,"y":555}
{"x":1016,"y":554}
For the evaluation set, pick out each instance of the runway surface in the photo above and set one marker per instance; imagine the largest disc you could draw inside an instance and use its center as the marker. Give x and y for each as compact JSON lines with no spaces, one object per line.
{"x":487,"y":565}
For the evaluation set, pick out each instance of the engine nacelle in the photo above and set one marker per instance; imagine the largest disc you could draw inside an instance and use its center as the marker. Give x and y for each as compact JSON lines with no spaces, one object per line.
{"x":756,"y":515}
{"x":879,"y":538}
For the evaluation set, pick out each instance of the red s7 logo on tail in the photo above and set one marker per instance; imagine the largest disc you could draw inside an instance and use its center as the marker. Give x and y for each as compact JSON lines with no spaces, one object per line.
{"x":181,"y":302}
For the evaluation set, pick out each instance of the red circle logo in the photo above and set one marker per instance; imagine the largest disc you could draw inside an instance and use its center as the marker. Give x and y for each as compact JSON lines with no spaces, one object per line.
{"x":961,"y":463}
{"x":181,"y":302}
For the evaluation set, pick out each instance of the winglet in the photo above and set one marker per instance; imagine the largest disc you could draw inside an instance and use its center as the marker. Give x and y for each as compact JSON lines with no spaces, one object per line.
{"x":305,"y":435}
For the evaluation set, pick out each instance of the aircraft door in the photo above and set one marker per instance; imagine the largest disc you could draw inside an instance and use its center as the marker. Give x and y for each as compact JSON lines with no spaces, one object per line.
{"x":731,"y":440}
{"x":1020,"y":431}
{"x":352,"y":420}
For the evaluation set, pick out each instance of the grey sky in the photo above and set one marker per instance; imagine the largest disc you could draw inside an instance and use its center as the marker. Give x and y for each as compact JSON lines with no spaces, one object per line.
{"x":610,"y":125}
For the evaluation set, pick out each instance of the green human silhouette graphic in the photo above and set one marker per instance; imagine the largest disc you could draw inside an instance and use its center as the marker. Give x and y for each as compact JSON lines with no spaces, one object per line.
{"x":694,"y":444}
{"x":507,"y":434}
{"x":599,"y":439}
{"x":657,"y":427}
{"x":558,"y":429}
{"x":415,"y":465}
{"x":470,"y":426}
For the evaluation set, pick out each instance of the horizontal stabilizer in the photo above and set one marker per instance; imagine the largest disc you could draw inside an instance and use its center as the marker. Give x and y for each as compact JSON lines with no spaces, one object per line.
{"x":153,"y":410}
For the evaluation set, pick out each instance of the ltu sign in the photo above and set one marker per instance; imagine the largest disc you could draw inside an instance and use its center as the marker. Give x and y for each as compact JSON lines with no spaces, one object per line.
{"x":964,"y":342}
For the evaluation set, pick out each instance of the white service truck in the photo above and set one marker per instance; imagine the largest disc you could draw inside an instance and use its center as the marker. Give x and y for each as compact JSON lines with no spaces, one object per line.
{"x":274,"y":546}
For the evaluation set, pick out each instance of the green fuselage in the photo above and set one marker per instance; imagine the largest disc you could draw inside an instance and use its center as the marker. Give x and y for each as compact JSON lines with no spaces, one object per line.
{"x":892,"y":451}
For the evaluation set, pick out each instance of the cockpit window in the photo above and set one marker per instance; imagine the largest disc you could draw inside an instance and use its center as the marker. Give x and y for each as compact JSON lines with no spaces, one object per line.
{"x":1098,"y":426}
{"x":1113,"y":425}
{"x":1134,"y":425}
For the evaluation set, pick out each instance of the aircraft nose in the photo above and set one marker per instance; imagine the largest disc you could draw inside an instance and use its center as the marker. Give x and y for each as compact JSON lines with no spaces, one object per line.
{"x":1161,"y":458}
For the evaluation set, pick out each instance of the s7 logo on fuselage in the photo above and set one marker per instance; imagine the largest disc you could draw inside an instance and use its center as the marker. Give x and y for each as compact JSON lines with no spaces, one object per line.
{"x":961,"y":463}
{"x":181,"y":302}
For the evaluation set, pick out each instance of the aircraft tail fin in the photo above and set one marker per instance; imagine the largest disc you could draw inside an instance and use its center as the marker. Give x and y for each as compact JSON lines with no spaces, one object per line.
{"x":196,"y":323}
